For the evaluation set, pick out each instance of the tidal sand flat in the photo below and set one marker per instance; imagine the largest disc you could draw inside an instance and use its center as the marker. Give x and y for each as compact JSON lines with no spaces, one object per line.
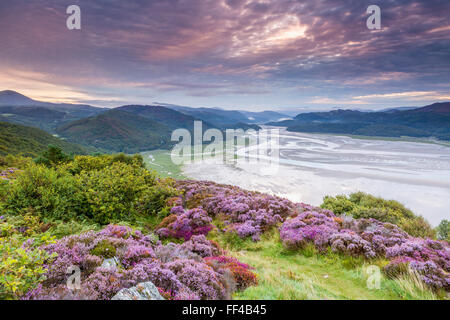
{"x":312,"y":166}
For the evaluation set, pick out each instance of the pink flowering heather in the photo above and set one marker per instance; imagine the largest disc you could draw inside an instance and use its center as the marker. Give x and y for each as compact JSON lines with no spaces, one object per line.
{"x":370,"y":238}
{"x":246,"y":213}
{"x":310,"y":226}
{"x":178,"y":269}
{"x":186,"y":224}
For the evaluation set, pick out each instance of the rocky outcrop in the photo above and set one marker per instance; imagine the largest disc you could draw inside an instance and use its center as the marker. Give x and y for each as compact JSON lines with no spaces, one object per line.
{"x":143,"y":291}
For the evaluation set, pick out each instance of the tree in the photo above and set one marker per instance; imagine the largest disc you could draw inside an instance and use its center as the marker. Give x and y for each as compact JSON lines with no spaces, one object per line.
{"x":53,"y":156}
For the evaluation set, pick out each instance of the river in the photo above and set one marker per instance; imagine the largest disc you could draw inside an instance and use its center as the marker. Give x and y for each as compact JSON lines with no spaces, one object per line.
{"x":314,"y":165}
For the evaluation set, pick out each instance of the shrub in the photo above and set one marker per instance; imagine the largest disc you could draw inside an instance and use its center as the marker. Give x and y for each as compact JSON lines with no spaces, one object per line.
{"x":14,"y":161}
{"x":89,"y":163}
{"x":241,"y":272}
{"x":443,"y":230}
{"x":48,"y":192}
{"x":104,"y":193}
{"x":176,"y":269}
{"x":21,"y":268}
{"x":362,"y":205}
{"x":53,"y":156}
{"x":185,"y":224}
{"x":248,"y":214}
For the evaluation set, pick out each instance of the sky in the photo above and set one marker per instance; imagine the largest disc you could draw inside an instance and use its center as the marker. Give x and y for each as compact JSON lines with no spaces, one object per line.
{"x":233,"y":54}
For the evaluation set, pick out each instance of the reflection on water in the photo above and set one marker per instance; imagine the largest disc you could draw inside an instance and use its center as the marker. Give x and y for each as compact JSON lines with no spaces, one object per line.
{"x":312,"y":166}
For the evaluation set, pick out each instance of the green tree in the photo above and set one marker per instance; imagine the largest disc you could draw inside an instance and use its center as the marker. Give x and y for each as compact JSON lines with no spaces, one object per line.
{"x":53,"y":156}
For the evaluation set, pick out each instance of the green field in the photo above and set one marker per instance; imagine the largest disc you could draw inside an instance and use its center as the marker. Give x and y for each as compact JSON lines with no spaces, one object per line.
{"x":161,"y":162}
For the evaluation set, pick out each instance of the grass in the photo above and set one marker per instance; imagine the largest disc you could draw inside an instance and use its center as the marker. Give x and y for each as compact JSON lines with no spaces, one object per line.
{"x":161,"y":162}
{"x":306,"y":274}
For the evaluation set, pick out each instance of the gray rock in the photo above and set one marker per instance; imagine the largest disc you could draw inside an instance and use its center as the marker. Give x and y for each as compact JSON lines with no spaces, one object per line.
{"x":112,"y":263}
{"x":143,"y":291}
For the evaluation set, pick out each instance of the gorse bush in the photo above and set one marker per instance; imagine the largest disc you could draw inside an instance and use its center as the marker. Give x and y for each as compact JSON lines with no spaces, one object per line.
{"x":48,"y":192}
{"x":363,"y":205}
{"x":101,"y":189}
{"x":89,"y":163}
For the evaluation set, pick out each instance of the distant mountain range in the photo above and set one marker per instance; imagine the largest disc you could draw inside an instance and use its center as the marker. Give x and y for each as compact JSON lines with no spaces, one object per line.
{"x":17,"y":108}
{"x":226,"y":118}
{"x":428,"y":121}
{"x":135,"y":128}
{"x":129,"y":129}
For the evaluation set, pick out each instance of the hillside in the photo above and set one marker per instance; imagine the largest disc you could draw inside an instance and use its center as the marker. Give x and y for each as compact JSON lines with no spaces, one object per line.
{"x":17,"y":108}
{"x":168,"y":117}
{"x":118,"y":131}
{"x":199,"y":240}
{"x":17,"y":139}
{"x":428,"y":121}
{"x":226,"y":119}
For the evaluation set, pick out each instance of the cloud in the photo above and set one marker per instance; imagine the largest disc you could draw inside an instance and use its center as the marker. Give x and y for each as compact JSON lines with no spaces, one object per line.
{"x":224,"y":49}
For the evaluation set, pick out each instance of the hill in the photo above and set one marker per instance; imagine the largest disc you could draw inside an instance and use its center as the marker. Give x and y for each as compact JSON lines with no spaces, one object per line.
{"x":18,"y":139}
{"x":428,"y":121}
{"x":17,"y":108}
{"x":168,"y":117}
{"x":118,"y":131}
{"x":227,"y":119}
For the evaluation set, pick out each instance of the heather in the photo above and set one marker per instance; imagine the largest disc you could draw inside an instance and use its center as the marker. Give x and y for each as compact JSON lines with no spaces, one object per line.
{"x":248,"y":214}
{"x":183,"y":270}
{"x":370,"y":239}
{"x":183,"y":224}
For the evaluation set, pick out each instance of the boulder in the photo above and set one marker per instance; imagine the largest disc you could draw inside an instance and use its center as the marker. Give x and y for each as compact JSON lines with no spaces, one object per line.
{"x":143,"y":291}
{"x":112,"y":263}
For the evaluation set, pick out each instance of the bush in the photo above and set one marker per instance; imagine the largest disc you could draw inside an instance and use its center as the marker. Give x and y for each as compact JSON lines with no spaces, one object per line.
{"x":443,"y":230}
{"x":121,"y":192}
{"x":14,"y":161}
{"x":97,"y":188}
{"x":178,"y":270}
{"x":362,"y":205}
{"x":48,"y":192}
{"x":21,"y":270}
{"x":185,"y":224}
{"x":53,"y":156}
{"x":90,"y":163}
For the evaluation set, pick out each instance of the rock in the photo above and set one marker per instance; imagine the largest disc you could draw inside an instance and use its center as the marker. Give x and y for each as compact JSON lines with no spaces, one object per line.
{"x":143,"y":291}
{"x":111,"y":263}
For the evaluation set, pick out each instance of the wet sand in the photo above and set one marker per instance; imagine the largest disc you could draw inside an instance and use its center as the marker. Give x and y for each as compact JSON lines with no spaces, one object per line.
{"x":312,"y":166}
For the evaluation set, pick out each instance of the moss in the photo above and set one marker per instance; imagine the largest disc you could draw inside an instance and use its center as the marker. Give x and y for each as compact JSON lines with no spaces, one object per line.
{"x":104,"y":249}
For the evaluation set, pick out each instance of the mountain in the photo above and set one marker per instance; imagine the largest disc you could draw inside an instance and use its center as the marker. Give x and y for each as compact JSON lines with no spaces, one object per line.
{"x":264,"y":116}
{"x":227,"y":119}
{"x":118,"y":131}
{"x":168,"y":117}
{"x":28,"y":141}
{"x":428,"y":121}
{"x":396,"y":109}
{"x":17,"y":108}
{"x":13,"y":98}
